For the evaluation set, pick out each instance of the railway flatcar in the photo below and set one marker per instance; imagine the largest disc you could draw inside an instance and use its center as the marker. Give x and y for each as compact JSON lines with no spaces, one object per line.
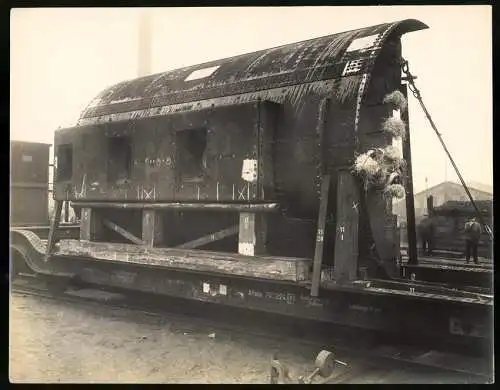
{"x":238,"y":182}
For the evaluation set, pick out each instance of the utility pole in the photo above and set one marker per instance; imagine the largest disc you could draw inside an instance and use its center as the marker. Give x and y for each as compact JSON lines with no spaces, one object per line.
{"x":144,"y":44}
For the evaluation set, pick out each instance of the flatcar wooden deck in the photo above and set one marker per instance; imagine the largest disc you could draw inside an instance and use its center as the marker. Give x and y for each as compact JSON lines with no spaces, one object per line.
{"x":450,"y":271}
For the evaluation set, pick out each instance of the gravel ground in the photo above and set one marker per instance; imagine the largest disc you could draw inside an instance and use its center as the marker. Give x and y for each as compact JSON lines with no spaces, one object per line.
{"x":54,"y":342}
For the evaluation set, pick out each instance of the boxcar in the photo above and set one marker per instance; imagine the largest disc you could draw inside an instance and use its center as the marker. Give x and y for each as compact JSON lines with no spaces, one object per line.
{"x":29,"y":178}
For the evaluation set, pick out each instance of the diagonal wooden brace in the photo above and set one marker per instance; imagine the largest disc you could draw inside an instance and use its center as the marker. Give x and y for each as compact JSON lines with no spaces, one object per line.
{"x":54,"y":226}
{"x":122,"y":232}
{"x":320,"y":236}
{"x":210,"y":238}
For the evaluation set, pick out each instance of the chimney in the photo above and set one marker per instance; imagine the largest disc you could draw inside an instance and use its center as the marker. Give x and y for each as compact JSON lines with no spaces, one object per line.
{"x":144,"y":45}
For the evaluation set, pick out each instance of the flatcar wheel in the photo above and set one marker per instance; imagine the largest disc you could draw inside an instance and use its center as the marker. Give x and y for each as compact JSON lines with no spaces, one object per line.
{"x":325,"y":363}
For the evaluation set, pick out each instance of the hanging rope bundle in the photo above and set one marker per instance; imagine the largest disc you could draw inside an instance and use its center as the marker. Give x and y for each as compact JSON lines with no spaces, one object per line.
{"x":380,"y":168}
{"x":394,"y":126}
{"x":396,"y":100}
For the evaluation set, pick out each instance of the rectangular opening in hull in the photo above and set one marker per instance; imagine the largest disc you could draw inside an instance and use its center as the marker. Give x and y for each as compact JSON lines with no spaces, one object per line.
{"x":119,"y":164}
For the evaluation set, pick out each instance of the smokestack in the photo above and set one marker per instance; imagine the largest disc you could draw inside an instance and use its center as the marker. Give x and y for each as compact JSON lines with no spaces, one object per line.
{"x":144,"y":45}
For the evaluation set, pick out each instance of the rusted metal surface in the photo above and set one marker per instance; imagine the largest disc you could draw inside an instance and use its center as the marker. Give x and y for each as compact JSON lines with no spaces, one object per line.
{"x":298,"y":63}
{"x":238,"y":140}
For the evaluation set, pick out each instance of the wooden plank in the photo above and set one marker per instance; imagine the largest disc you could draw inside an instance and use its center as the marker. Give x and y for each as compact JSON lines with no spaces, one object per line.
{"x":347,"y":224}
{"x":252,"y":234}
{"x":152,"y":228}
{"x":320,"y":235}
{"x":122,"y":232}
{"x":54,"y":225}
{"x":210,"y":238}
{"x":90,"y":224}
{"x":29,"y":185}
{"x":265,"y":267}
{"x":383,"y":236}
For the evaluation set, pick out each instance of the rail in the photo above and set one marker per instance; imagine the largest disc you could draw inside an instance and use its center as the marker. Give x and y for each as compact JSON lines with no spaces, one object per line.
{"x":327,"y":363}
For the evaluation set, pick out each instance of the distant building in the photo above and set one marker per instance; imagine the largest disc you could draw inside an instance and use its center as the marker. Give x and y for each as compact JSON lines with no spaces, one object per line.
{"x":442,"y":193}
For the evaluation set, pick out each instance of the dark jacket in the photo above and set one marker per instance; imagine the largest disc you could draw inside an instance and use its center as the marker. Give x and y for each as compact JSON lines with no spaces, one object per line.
{"x":426,"y":228}
{"x":472,"y":231}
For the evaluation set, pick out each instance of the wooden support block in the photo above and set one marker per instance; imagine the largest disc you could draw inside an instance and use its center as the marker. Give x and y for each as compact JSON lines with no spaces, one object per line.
{"x":252,"y":234}
{"x":66,"y":211}
{"x":54,"y":225}
{"x":90,"y":224}
{"x":409,"y":199}
{"x":346,"y":239}
{"x":152,"y":228}
{"x":129,"y":236}
{"x":320,"y":235}
{"x":210,"y":238}
{"x":382,"y":231}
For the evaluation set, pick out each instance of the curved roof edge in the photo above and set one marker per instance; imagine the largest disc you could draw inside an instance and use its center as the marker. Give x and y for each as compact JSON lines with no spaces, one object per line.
{"x":312,"y":60}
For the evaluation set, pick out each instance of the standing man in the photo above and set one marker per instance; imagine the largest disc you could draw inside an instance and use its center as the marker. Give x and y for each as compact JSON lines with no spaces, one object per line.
{"x":472,"y":235}
{"x":426,"y":232}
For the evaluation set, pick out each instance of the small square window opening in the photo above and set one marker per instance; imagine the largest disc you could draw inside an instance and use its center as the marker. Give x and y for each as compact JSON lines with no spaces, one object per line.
{"x":119,"y":163}
{"x":191,"y":146}
{"x":64,"y":162}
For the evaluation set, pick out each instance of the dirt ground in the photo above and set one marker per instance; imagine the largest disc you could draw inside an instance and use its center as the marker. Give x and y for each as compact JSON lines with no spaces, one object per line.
{"x":53,"y":342}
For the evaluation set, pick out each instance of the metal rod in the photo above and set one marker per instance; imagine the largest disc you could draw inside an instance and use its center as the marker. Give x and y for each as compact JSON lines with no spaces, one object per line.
{"x":241,"y":207}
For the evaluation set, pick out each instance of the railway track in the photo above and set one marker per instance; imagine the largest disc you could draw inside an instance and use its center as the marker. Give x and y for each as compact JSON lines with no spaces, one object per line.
{"x":360,"y":351}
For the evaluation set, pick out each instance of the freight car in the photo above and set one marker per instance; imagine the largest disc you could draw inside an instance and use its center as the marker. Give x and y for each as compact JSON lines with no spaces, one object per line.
{"x":29,"y":183}
{"x":231,"y":182}
{"x":29,"y":195}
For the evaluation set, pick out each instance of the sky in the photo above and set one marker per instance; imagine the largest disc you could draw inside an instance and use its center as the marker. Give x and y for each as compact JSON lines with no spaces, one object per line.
{"x":62,"y":58}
